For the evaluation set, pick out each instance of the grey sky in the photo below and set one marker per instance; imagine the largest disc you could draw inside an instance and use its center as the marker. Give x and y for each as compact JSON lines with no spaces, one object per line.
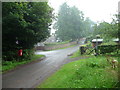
{"x":97,"y":10}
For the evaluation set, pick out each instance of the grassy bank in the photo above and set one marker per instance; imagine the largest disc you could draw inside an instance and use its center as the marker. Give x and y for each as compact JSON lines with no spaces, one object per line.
{"x":93,"y":72}
{"x":56,"y":43}
{"x":9,"y":65}
{"x":76,"y":54}
{"x":62,"y":48}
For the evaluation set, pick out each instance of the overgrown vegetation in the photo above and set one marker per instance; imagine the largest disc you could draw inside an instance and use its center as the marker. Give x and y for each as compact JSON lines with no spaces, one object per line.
{"x":24,"y":24}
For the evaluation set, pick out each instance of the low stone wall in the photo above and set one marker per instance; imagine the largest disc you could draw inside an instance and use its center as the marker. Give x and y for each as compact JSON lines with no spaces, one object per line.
{"x":39,"y":47}
{"x":55,"y":46}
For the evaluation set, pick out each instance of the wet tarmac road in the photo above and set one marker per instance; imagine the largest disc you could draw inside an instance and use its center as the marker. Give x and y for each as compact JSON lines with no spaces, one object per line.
{"x":33,"y":74}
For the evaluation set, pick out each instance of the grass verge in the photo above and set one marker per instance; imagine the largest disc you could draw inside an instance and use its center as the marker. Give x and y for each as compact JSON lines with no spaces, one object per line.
{"x":76,"y":54}
{"x":94,"y":72}
{"x":56,"y":43}
{"x":9,"y":65}
{"x":62,"y":48}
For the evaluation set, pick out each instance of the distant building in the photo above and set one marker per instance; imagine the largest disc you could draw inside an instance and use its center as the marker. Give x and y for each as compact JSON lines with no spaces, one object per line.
{"x":51,"y":39}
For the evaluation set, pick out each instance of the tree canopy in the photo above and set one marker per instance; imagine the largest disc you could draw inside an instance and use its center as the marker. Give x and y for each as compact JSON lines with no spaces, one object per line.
{"x":107,"y":30}
{"x":71,"y":23}
{"x":25,"y":23}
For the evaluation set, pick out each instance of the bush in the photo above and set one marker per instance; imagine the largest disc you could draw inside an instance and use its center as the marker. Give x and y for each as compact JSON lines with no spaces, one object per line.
{"x":13,"y":55}
{"x":85,"y":48}
{"x":27,"y":53}
{"x":103,"y":49}
{"x":9,"y":55}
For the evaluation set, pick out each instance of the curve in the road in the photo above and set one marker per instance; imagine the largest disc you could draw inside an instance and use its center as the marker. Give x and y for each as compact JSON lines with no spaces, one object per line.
{"x":32,"y":74}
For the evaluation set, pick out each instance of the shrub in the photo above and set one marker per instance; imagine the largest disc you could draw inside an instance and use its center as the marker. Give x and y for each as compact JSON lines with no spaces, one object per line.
{"x":9,"y":55}
{"x":86,"y":48}
{"x":27,"y":53}
{"x":13,"y":55}
{"x":103,"y":49}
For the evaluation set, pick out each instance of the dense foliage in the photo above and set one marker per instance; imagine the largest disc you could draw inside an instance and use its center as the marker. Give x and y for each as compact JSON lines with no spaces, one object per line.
{"x":24,"y":24}
{"x":103,"y":49}
{"x":71,"y":23}
{"x":107,"y":30}
{"x":119,"y":26}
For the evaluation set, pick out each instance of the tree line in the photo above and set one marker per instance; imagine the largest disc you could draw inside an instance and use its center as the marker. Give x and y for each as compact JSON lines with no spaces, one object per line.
{"x":71,"y":23}
{"x":107,"y":30}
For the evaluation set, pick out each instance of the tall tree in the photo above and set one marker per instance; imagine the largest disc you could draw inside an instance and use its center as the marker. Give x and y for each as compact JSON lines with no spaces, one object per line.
{"x":70,"y":23}
{"x":25,"y":22}
{"x":88,"y":27}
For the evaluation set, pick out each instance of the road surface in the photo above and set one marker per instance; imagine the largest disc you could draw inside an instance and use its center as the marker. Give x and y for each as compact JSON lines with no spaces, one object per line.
{"x":33,"y":74}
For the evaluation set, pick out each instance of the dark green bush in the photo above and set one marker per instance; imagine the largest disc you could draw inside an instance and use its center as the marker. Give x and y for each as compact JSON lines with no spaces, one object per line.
{"x":13,"y":55}
{"x":103,"y":49}
{"x":27,"y":53}
{"x":86,"y":48}
{"x":9,"y":55}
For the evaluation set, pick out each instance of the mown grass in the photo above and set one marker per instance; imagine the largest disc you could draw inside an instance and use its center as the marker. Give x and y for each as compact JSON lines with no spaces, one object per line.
{"x":9,"y":65}
{"x":94,"y":72}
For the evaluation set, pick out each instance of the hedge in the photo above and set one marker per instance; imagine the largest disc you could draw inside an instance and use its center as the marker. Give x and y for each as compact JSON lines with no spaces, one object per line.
{"x":103,"y":49}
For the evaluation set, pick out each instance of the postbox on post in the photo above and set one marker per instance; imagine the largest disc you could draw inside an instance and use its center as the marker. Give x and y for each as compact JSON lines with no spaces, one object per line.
{"x":20,"y":52}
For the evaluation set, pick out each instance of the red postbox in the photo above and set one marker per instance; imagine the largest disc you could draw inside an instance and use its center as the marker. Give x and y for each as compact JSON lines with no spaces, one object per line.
{"x":20,"y":52}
